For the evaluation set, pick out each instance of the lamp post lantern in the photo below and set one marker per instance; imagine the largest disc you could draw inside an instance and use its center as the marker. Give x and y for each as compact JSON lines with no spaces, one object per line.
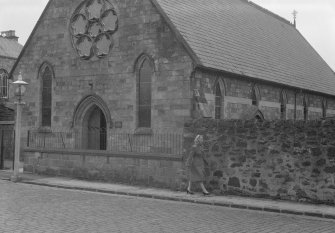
{"x":19,"y":92}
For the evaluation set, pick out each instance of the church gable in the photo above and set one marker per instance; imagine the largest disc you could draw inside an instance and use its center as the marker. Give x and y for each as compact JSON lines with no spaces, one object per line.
{"x":93,"y":47}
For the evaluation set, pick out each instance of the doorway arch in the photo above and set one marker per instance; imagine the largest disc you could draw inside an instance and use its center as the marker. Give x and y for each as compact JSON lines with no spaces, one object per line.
{"x":92,"y":120}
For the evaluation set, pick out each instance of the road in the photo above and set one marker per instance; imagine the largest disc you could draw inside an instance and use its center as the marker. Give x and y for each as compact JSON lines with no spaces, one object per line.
{"x":29,"y":208}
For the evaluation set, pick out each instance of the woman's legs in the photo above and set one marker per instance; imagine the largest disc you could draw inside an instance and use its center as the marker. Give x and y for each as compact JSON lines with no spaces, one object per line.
{"x":204,"y":190}
{"x":188,"y":190}
{"x":189,"y":185}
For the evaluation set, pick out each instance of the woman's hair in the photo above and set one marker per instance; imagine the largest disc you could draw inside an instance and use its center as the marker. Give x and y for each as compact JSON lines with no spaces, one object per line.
{"x":198,"y":139}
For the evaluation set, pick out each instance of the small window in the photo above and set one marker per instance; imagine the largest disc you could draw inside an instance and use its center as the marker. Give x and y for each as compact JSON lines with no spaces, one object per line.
{"x":255,"y":95}
{"x":283,"y":102}
{"x":3,"y":83}
{"x":144,"y":94}
{"x":305,"y":109}
{"x":46,"y":77}
{"x":324,"y":108}
{"x":218,"y":101}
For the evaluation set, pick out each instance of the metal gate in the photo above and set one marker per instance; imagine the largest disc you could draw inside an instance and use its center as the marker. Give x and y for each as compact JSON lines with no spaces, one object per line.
{"x":7,"y":142}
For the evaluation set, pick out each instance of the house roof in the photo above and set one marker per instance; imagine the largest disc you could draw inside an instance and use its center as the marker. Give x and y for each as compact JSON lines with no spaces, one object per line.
{"x":9,"y":48}
{"x":241,"y":37}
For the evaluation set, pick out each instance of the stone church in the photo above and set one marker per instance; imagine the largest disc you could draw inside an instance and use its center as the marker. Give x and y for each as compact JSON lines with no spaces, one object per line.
{"x":151,"y":65}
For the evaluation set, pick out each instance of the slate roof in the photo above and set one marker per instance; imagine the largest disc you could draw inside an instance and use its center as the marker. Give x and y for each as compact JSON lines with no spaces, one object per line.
{"x":242,"y":38}
{"x":9,"y":48}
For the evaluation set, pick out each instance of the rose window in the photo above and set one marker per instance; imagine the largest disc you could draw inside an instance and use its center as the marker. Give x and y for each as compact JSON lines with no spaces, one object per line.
{"x":92,"y":27}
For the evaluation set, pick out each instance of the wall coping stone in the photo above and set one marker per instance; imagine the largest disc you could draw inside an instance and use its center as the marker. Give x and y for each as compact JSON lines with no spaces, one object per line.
{"x":7,"y":122}
{"x":148,"y":156}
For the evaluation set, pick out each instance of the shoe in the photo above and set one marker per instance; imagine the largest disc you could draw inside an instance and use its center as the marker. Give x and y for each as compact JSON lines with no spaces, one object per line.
{"x":189,"y":192}
{"x":206,"y":194}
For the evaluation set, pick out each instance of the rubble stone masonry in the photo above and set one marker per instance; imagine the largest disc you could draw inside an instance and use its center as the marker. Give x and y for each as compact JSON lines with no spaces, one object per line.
{"x":279,"y":159}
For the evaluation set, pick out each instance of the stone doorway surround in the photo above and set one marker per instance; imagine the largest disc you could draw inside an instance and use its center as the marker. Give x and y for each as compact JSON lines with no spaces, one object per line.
{"x":92,"y":112}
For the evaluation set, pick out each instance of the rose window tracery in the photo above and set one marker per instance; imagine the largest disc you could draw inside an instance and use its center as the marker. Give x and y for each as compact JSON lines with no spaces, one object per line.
{"x":92,"y":27}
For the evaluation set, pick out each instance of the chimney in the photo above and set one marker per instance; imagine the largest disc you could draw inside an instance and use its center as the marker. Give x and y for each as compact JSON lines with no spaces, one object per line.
{"x":10,"y":35}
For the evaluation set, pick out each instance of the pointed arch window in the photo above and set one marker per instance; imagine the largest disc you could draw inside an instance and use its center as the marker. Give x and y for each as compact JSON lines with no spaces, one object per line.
{"x":305,"y":108}
{"x":46,"y":75}
{"x":145,"y":94}
{"x":3,"y":84}
{"x":218,"y":102}
{"x":255,"y":95}
{"x":219,"y":89}
{"x":324,"y":107}
{"x":283,"y":102}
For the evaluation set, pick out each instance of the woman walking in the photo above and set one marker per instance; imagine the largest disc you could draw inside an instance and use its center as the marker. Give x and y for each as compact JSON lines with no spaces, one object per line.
{"x":196,"y":165}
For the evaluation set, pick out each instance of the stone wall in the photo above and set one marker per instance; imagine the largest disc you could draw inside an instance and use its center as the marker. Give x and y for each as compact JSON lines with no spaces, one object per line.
{"x":280,"y":159}
{"x":153,"y":170}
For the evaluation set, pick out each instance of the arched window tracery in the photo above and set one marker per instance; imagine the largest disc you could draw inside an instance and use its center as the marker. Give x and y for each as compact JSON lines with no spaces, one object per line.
{"x":46,"y":74}
{"x":219,"y":92}
{"x":144,"y":92}
{"x":3,"y":83}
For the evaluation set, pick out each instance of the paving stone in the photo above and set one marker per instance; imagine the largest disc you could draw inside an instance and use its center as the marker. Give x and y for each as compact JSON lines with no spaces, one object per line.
{"x":32,"y":208}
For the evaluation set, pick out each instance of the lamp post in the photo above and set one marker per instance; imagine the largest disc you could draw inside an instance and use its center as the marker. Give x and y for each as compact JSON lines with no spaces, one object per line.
{"x":20,"y":90}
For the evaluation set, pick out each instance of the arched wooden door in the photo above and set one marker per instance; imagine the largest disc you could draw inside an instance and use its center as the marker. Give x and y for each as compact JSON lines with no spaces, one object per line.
{"x":95,"y":129}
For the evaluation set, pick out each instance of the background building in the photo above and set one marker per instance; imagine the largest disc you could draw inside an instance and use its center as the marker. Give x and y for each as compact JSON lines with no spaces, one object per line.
{"x":9,"y":51}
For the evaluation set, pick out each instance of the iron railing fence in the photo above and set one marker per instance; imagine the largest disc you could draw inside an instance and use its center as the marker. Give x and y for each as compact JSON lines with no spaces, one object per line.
{"x":156,"y":142}
{"x":52,"y":139}
{"x":100,"y":139}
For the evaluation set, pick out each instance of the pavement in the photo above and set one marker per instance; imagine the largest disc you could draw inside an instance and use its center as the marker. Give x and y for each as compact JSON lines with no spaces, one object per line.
{"x":256,"y":204}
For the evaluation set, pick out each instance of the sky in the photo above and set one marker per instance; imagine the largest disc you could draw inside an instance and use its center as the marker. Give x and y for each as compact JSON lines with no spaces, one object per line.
{"x":315,"y":20}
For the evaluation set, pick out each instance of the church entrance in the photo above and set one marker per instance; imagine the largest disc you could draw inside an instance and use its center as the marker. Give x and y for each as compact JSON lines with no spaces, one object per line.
{"x":95,"y":129}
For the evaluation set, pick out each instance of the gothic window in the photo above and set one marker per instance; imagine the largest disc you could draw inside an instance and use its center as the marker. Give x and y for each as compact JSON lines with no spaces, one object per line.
{"x":144,"y":94}
{"x":305,"y":108}
{"x":219,"y":95}
{"x":92,"y":26}
{"x":255,"y":95}
{"x":218,"y":102}
{"x":3,"y":83}
{"x":46,"y":86}
{"x":324,"y":107}
{"x":283,"y":102}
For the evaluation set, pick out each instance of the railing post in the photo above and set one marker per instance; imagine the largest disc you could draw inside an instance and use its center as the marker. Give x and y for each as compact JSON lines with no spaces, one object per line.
{"x":14,"y":136}
{"x":28,"y":138}
{"x":130,"y":144}
{"x":2,"y":150}
{"x":61,"y":136}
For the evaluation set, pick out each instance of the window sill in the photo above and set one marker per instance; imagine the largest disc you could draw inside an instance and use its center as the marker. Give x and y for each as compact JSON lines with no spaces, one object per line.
{"x":44,"y":129}
{"x":143,"y":131}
